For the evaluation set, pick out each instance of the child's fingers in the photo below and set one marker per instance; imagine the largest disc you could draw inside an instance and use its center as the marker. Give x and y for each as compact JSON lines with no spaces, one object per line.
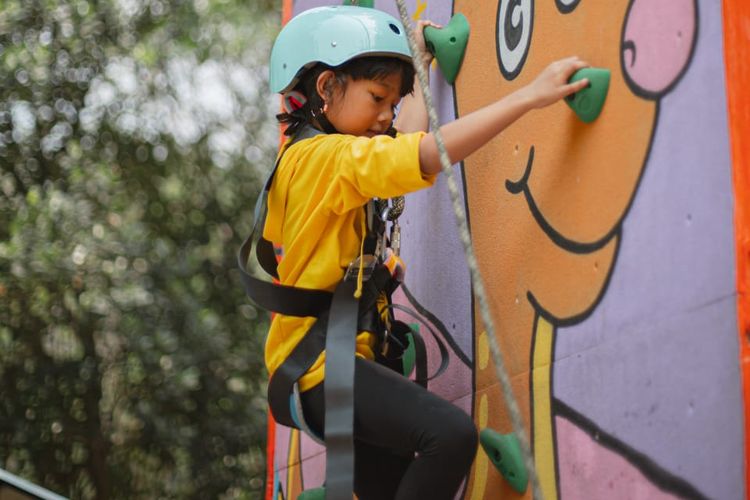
{"x":574,"y":87}
{"x":578,"y":65}
{"x":572,"y":62}
{"x":426,"y":22}
{"x":566,"y":62}
{"x":571,"y":66}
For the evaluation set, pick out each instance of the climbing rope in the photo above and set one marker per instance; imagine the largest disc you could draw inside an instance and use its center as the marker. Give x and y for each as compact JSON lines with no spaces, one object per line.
{"x":476,"y":278}
{"x":392,"y":208}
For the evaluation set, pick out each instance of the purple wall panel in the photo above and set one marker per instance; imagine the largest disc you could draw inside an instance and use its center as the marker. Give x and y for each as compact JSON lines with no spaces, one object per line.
{"x":656,"y":362}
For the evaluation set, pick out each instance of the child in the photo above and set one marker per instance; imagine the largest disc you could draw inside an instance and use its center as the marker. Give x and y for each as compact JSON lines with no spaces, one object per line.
{"x":342,"y":72}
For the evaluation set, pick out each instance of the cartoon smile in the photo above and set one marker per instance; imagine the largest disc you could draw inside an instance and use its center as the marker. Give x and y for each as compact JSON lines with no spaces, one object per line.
{"x":522,"y":186}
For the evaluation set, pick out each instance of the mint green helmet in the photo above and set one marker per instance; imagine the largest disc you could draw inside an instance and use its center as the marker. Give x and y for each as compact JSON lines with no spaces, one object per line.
{"x":333,"y":35}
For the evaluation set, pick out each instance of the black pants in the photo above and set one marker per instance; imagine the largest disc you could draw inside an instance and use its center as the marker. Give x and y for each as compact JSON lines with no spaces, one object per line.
{"x":394,"y":418}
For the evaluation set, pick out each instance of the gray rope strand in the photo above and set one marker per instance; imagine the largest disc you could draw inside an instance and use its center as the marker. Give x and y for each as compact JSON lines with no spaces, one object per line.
{"x":500,"y":370}
{"x":394,"y":206}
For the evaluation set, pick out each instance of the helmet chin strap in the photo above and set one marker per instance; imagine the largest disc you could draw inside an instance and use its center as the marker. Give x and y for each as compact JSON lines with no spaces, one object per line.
{"x":324,"y":123}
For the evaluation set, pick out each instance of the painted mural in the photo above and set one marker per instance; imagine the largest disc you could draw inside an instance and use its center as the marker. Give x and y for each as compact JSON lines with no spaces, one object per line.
{"x":607,"y":250}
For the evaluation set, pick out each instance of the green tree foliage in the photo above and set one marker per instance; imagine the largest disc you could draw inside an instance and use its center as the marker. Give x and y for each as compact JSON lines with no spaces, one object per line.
{"x":133,"y":139}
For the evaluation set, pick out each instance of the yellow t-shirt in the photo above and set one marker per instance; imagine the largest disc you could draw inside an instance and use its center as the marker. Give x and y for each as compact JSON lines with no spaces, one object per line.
{"x":315,"y":213}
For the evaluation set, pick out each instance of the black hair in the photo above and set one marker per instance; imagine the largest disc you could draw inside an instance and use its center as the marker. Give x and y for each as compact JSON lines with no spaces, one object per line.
{"x":361,"y":68}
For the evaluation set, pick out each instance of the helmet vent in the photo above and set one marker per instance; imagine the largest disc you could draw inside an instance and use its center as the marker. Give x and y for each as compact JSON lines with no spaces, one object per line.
{"x":394,"y":28}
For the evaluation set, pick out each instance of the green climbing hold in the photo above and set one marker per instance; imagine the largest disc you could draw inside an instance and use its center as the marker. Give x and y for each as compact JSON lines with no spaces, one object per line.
{"x":448,"y":45}
{"x":313,"y":494}
{"x":504,"y":451}
{"x":361,"y":3}
{"x":588,"y":103}
{"x":410,"y":356}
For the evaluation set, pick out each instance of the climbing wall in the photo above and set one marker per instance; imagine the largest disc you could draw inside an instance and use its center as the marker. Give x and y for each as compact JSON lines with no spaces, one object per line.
{"x":609,"y":250}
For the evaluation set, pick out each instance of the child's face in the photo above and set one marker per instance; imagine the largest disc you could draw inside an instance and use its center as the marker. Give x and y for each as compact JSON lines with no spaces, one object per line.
{"x":364,"y":107}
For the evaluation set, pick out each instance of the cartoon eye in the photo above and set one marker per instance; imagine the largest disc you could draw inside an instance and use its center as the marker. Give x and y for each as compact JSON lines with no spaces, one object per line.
{"x":566,"y":6}
{"x":514,"y":22}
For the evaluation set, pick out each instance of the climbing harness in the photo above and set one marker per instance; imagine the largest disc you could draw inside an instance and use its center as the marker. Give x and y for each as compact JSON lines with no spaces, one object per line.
{"x":340,"y":315}
{"x":471,"y":260}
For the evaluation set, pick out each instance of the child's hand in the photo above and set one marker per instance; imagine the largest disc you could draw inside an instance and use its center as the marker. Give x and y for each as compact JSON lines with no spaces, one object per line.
{"x":424,"y":55}
{"x":552,"y":83}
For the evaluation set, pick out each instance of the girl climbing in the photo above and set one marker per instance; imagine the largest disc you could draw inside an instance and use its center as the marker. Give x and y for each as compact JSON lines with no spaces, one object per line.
{"x":343,"y":71}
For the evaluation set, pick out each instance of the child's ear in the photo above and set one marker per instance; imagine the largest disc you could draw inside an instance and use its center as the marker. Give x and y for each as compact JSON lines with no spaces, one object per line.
{"x":324,"y":84}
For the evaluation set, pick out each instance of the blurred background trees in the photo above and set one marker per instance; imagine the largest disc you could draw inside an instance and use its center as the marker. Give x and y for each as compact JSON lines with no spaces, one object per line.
{"x":134,"y":135}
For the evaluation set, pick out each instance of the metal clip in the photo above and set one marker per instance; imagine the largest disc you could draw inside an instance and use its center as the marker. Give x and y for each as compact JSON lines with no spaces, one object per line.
{"x":385,"y":213}
{"x":385,"y":343}
{"x":369,"y":263}
{"x":396,"y":237}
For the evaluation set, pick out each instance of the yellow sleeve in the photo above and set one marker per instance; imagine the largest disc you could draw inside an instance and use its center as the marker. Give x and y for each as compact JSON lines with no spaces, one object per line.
{"x":381,"y":167}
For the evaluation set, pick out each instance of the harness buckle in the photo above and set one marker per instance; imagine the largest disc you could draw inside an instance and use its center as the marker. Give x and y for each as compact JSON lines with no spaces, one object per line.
{"x":369,"y":262}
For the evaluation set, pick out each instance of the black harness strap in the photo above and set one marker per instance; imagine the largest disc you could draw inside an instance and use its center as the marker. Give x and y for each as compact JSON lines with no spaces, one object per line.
{"x":267,"y":257}
{"x":335,"y":330}
{"x":421,"y":351}
{"x":308,"y":349}
{"x":286,"y":300}
{"x":296,"y":364}
{"x":339,"y":392}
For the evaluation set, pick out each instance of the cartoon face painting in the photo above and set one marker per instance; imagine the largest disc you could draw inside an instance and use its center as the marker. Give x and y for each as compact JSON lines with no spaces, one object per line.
{"x":606,"y":251}
{"x":548,"y":196}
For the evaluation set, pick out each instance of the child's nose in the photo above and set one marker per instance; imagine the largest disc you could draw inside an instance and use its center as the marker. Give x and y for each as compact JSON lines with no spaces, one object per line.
{"x":386,"y":114}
